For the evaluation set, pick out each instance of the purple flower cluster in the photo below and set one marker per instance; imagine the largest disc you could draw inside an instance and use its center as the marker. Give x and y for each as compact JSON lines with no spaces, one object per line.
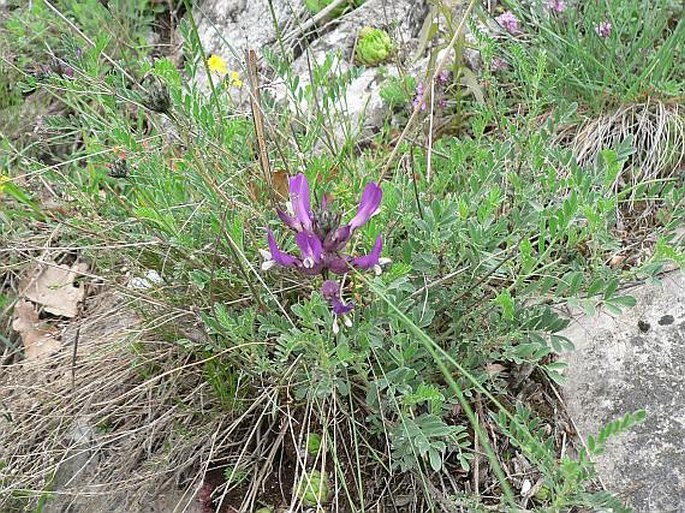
{"x":557,"y":6}
{"x":442,"y":79}
{"x":603,"y":29}
{"x":321,"y":239}
{"x":509,"y":22}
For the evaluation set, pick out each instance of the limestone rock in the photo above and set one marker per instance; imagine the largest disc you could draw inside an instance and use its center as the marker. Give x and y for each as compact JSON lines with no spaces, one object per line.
{"x":630,"y":362}
{"x":228,"y":27}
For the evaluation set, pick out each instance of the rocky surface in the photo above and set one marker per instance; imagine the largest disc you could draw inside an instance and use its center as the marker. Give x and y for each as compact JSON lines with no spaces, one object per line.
{"x":630,"y":362}
{"x":228,"y":27}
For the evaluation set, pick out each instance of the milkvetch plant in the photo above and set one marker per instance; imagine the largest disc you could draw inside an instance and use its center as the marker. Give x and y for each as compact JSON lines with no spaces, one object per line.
{"x":322,"y":239}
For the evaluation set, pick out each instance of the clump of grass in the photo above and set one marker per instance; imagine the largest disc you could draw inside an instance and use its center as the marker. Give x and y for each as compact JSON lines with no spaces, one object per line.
{"x":655,"y":132}
{"x":424,"y":402}
{"x":637,"y":58}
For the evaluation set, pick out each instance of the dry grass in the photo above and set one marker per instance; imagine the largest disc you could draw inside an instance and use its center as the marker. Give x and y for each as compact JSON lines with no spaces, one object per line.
{"x":126,"y":418}
{"x":108,"y":422}
{"x":656,"y":131}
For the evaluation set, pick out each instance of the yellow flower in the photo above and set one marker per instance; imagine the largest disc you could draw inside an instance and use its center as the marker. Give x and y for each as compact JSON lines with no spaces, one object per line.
{"x":217,"y":64}
{"x":235,"y":80}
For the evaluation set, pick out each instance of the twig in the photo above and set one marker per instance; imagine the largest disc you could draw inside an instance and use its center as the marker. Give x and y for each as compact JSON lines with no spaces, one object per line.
{"x":323,"y":15}
{"x":257,"y":119}
{"x":91,"y":43}
{"x":413,"y":181}
{"x":431,"y":76}
{"x":73,"y":360}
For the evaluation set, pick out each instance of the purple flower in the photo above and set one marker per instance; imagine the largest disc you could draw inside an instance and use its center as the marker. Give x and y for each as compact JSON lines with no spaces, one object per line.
{"x":603,"y":29}
{"x":330,"y":290}
{"x":509,"y":22}
{"x":557,"y":6}
{"x":498,"y":64}
{"x":419,"y":100}
{"x":371,"y":260}
{"x":371,"y":200}
{"x":321,"y":238}
{"x":299,"y":199}
{"x":443,"y":78}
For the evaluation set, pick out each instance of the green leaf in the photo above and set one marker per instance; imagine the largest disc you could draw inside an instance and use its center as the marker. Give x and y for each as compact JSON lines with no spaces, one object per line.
{"x":435,"y":459}
{"x":505,"y":300}
{"x":595,"y":287}
{"x":627,"y":301}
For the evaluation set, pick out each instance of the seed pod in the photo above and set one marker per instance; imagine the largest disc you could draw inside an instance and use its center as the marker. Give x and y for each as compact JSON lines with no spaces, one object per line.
{"x":157,"y":96}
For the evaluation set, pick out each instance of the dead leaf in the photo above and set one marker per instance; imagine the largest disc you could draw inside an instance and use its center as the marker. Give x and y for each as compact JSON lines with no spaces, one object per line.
{"x":493,"y":369}
{"x":280,"y":183}
{"x":54,"y":289}
{"x":616,"y":261}
{"x":470,"y":80}
{"x":38,"y":340}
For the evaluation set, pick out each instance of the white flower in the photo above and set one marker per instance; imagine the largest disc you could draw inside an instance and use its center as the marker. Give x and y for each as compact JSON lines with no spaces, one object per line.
{"x":268,"y":262}
{"x":378,"y":268}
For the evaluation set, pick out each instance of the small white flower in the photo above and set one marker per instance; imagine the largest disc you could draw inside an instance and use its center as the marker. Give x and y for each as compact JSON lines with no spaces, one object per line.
{"x":268,"y":262}
{"x":378,"y":268}
{"x":151,"y":279}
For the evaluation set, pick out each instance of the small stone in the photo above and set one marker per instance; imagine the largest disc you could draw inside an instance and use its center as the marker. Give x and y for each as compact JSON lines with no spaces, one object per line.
{"x":666,"y":320}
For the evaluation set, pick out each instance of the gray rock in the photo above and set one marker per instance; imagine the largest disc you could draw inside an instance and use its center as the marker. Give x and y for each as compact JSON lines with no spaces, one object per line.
{"x":228,"y":27}
{"x":362,"y":103}
{"x":630,"y":362}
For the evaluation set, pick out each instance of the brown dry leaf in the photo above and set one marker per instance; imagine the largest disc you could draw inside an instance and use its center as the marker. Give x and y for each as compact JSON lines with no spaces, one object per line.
{"x":54,"y":289}
{"x":616,"y":261}
{"x":280,"y":183}
{"x":38,"y":340}
{"x":493,"y":369}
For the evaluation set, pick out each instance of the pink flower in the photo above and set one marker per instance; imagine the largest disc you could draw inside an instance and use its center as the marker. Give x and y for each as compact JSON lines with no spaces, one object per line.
{"x":603,"y":29}
{"x":509,"y":22}
{"x":443,"y":78}
{"x":558,"y":6}
{"x":420,"y":88}
{"x":498,"y":64}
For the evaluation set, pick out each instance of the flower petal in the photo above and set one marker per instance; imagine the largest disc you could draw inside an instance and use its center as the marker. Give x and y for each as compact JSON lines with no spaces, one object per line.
{"x":289,"y":221}
{"x":372,"y":259}
{"x":336,"y":263}
{"x":371,"y":200}
{"x":310,"y":248}
{"x":299,"y":197}
{"x":330,"y":289}
{"x":337,"y":239}
{"x":340,"y":308}
{"x":278,"y":256}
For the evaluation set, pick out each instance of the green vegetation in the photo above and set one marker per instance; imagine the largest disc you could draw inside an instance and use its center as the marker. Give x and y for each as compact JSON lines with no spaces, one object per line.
{"x":374,"y":46}
{"x":489,"y":229}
